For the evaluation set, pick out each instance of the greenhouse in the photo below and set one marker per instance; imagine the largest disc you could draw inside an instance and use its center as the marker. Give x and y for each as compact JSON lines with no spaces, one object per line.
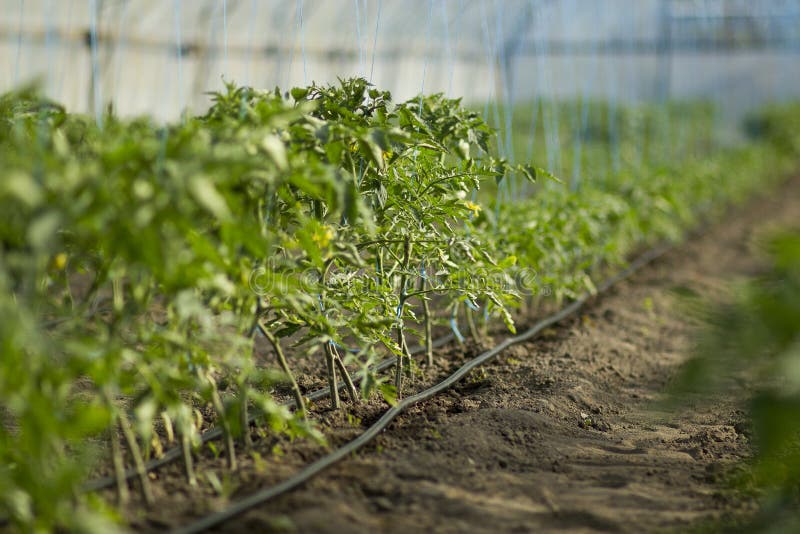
{"x":399,"y":265}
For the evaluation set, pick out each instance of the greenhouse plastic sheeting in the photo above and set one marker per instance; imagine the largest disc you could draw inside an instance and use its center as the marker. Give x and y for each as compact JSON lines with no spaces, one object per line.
{"x":160,"y":56}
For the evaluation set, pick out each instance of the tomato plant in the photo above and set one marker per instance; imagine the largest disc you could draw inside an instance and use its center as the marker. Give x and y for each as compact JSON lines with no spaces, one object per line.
{"x":139,"y":262}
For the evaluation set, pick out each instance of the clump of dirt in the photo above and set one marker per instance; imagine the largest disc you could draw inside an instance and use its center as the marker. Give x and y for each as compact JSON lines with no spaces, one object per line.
{"x":558,"y":434}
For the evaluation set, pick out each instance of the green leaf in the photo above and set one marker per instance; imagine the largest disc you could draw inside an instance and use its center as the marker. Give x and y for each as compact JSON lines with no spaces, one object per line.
{"x":89,"y":419}
{"x":528,"y":171}
{"x":372,"y":151}
{"x":463,"y":149}
{"x":299,"y":93}
{"x":550,"y":176}
{"x":43,"y":229}
{"x":203,"y":190}
{"x":587,"y":281}
{"x":507,"y":262}
{"x":145,"y":416}
{"x":389,"y":393}
{"x":23,"y":187}
{"x":276,"y":150}
{"x":776,"y":423}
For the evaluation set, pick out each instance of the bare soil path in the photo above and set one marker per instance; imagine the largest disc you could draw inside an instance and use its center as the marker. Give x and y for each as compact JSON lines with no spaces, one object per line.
{"x":557,"y":434}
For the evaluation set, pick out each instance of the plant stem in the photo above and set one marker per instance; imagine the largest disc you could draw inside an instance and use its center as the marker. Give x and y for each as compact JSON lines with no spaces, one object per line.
{"x":330,"y":355}
{"x":188,"y":463}
{"x":298,"y":395}
{"x":138,"y":461}
{"x":332,"y":385}
{"x":123,"y":495}
{"x":473,"y":330}
{"x":398,"y":372}
{"x":219,"y":407}
{"x":484,"y":327}
{"x":426,"y":317}
{"x":454,"y":319}
{"x":379,"y":256}
{"x":401,"y":338}
{"x":352,"y":392}
{"x":523,"y":305}
{"x":244,"y":419}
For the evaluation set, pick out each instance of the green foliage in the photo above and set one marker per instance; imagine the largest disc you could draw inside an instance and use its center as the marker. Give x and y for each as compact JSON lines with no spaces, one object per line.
{"x":129,"y":255}
{"x":778,"y":124}
{"x":138,"y":261}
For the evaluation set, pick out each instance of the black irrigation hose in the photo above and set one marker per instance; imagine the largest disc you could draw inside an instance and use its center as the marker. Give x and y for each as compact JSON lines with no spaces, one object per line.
{"x":175,"y":453}
{"x":315,"y":468}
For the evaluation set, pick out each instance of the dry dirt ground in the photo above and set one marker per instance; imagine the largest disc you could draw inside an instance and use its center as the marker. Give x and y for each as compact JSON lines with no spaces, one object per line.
{"x":558,"y":434}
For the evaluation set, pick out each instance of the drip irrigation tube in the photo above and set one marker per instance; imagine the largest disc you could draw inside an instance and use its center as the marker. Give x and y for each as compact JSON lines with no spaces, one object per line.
{"x":323,"y":463}
{"x":174,"y":454}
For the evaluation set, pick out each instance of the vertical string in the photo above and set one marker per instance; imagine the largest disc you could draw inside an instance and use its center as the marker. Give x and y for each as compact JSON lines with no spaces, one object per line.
{"x":179,"y":51}
{"x":96,"y":95}
{"x":302,"y":40}
{"x":283,"y":24}
{"x":225,"y":36}
{"x":50,"y":8}
{"x":427,"y":50}
{"x":529,"y":157}
{"x":358,"y":39}
{"x":375,"y":41}
{"x":630,"y":79}
{"x":119,"y":54}
{"x":658,"y":145}
{"x":588,"y":78}
{"x":707,"y":28}
{"x":612,"y":111}
{"x":447,"y":48}
{"x":19,"y":42}
{"x":576,"y":109}
{"x":490,"y":63}
{"x":425,"y":62}
{"x":491,"y":56}
{"x":250,"y":37}
{"x":572,"y":102}
{"x":550,"y":111}
{"x":508,"y":49}
{"x":67,"y":55}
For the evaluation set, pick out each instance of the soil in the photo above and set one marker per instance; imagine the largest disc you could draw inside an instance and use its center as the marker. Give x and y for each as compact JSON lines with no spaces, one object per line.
{"x":558,"y":434}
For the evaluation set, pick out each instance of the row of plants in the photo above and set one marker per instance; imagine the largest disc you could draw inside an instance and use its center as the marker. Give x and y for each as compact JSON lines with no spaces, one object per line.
{"x":138,"y":263}
{"x":145,"y":259}
{"x":595,"y":140}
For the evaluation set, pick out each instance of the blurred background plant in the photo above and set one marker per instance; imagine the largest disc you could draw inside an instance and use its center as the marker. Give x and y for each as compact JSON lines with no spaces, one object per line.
{"x":752,"y":344}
